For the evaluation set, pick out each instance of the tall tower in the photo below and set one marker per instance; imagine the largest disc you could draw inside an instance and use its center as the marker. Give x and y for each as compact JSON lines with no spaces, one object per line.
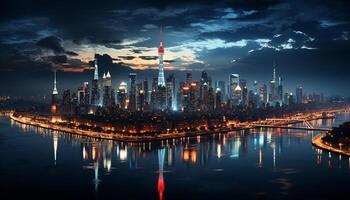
{"x":272,"y":93}
{"x":54,"y":98}
{"x":54,"y":84}
{"x":95,"y":91}
{"x":161,"y":79}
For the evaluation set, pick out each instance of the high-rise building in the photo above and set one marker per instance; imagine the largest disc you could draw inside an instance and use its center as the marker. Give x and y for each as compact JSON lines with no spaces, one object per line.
{"x":291,"y":100}
{"x":204,"y":91}
{"x":280,"y":90}
{"x":221,"y":86}
{"x":233,"y":83}
{"x":132,"y":92}
{"x":272,"y":92}
{"x":286,"y":98}
{"x":170,"y":92}
{"x":211,"y":100}
{"x":185,"y":90}
{"x":263,"y":94}
{"x":66,"y":102}
{"x":83,"y":98}
{"x":54,"y":97}
{"x":161,"y":98}
{"x":161,"y":79}
{"x":194,"y":96}
{"x":141,"y":100}
{"x":122,"y":95}
{"x":188,"y":78}
{"x":107,"y":95}
{"x":95,"y":91}
{"x":145,"y":89}
{"x":218,"y":98}
{"x":256,"y":99}
{"x":299,"y":95}
{"x":245,"y":96}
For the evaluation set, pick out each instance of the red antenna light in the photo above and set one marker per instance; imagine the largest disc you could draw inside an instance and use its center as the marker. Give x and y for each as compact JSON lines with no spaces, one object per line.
{"x":161,"y":49}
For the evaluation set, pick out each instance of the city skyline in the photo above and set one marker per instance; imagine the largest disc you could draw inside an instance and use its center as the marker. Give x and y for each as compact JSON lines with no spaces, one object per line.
{"x":242,"y":38}
{"x":181,"y":99}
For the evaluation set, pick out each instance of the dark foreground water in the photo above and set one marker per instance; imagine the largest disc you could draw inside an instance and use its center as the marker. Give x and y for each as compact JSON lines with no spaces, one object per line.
{"x":256,"y":164}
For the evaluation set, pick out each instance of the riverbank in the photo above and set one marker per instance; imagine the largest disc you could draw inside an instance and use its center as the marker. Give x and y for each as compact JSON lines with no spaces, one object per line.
{"x":131,"y":137}
{"x":119,"y":137}
{"x":319,"y":143}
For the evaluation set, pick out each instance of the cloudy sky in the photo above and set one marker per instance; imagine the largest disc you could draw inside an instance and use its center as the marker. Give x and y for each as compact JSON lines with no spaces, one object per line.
{"x":308,"y":41}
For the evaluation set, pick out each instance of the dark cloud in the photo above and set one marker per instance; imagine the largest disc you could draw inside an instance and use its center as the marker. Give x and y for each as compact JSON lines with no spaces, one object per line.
{"x":169,"y":61}
{"x":138,"y":51}
{"x":149,"y":57}
{"x":127,"y":57}
{"x":57,"y":59}
{"x":71,"y":53}
{"x":51,"y":43}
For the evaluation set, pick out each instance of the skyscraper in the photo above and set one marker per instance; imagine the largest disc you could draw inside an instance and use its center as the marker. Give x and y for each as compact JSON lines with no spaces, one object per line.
{"x":170,"y":92}
{"x":161,"y":81}
{"x":263,"y":94}
{"x":221,"y":85}
{"x":272,"y":92}
{"x":145,"y":88}
{"x":121,"y":95}
{"x":141,"y":100}
{"x":95,"y":92}
{"x":299,"y":95}
{"x":54,"y":97}
{"x":132,"y":92}
{"x":107,"y":95}
{"x":218,"y":98}
{"x":280,"y":90}
{"x":188,"y":78}
{"x":233,"y":82}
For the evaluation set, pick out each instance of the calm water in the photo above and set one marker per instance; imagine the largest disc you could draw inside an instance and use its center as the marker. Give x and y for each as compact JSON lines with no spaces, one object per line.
{"x":256,"y":164}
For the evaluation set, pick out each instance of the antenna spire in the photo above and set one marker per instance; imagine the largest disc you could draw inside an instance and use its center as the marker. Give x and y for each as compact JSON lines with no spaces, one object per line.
{"x":54,"y":84}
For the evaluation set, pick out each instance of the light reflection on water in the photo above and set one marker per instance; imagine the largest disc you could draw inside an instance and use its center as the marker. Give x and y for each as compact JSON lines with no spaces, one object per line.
{"x":274,"y":157}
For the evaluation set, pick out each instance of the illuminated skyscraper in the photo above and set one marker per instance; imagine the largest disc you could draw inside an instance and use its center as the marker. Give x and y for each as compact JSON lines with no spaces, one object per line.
{"x":272,"y":92}
{"x":121,"y":95}
{"x":161,"y":79}
{"x":95,"y":92}
{"x":170,"y":92}
{"x":299,"y":95}
{"x":263,"y":94}
{"x":145,"y":88}
{"x":280,"y":90}
{"x":66,"y":102}
{"x":218,"y":98}
{"x":132,"y":92}
{"x":107,"y":95}
{"x":233,"y":82}
{"x":221,"y":86}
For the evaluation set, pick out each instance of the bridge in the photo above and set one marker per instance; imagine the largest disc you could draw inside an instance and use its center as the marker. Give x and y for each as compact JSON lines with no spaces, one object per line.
{"x":293,"y":127}
{"x":284,"y":124}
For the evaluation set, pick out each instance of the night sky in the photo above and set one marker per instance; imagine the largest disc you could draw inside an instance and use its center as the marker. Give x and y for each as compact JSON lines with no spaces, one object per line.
{"x":308,"y":41}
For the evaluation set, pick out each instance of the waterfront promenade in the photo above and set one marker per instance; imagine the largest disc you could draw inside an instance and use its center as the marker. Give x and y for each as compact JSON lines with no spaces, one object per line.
{"x":319,"y":143}
{"x":130,"y":137}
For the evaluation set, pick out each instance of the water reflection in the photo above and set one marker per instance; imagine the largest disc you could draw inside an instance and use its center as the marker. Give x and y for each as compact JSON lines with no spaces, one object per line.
{"x":262,"y":147}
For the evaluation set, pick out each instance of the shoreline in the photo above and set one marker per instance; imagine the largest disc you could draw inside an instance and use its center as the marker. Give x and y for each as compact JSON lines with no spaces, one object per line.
{"x":317,"y":142}
{"x":132,"y":138}
{"x":122,"y":138}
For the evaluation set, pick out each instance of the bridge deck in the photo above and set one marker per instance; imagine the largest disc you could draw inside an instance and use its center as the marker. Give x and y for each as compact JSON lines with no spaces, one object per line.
{"x":293,"y":127}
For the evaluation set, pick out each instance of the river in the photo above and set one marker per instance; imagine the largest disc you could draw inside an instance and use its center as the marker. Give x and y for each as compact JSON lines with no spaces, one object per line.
{"x":255,"y":164}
